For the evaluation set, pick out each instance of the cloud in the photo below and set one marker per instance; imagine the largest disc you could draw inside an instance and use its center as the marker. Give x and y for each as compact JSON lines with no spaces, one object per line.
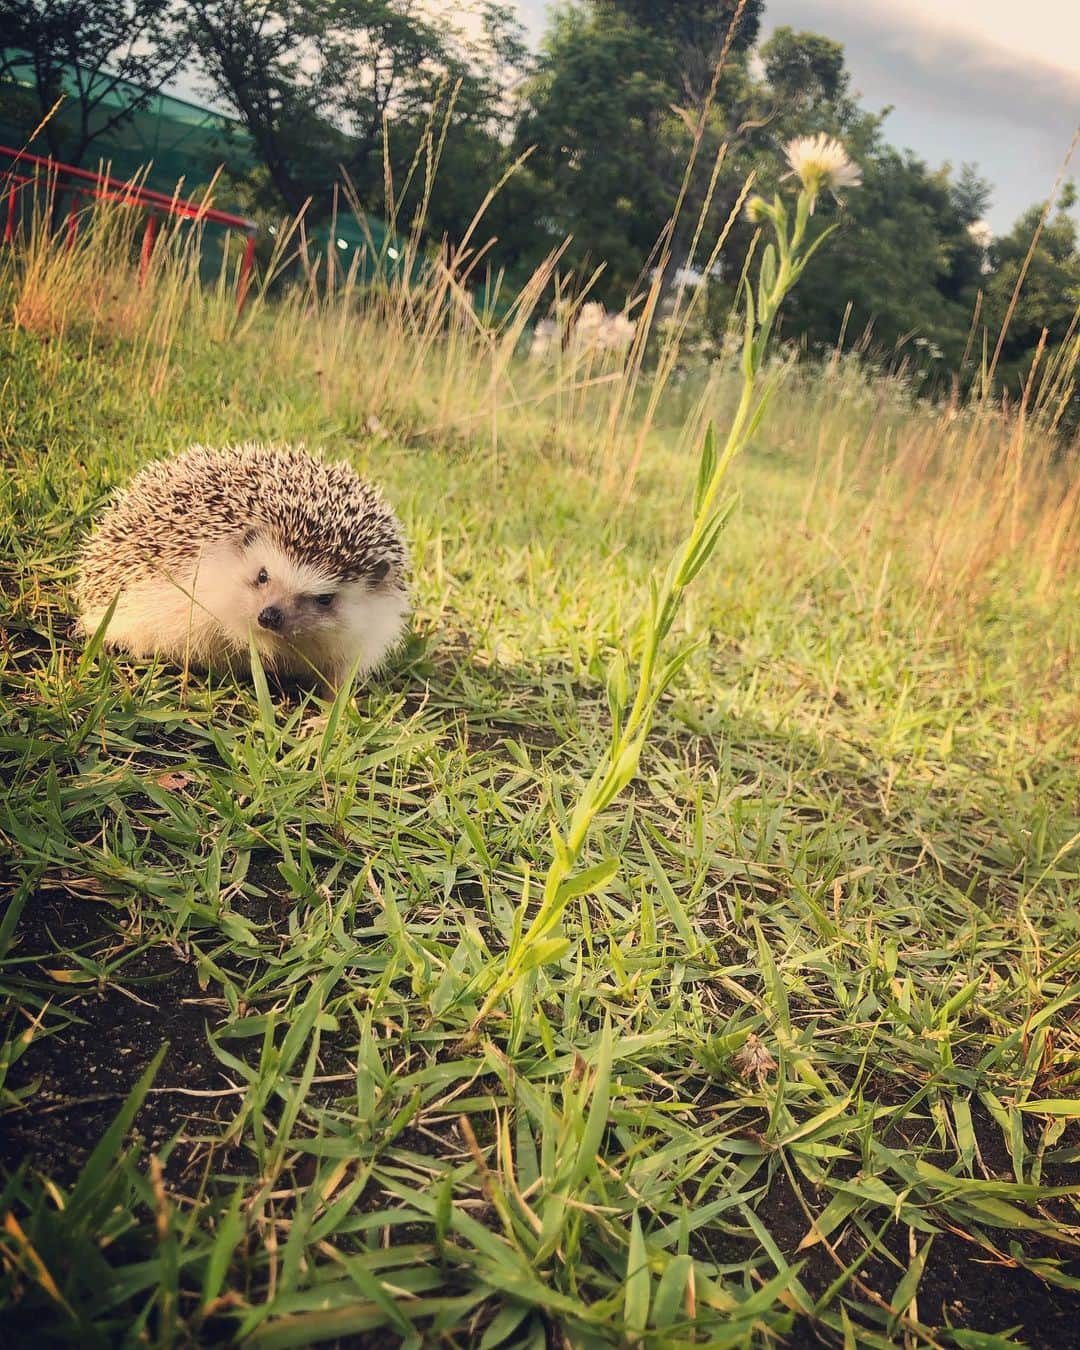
{"x":901,"y":56}
{"x":534,"y":14}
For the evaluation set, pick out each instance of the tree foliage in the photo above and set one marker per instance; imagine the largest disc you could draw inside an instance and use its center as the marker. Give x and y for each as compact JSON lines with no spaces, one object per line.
{"x":1049,"y":299}
{"x":807,"y":72}
{"x":255,"y":57}
{"x":694,"y":34}
{"x":605,"y":144}
{"x":317,"y":83}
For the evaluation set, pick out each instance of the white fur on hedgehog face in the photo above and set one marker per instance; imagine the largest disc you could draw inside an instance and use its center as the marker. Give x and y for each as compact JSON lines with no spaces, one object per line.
{"x":300,"y":615}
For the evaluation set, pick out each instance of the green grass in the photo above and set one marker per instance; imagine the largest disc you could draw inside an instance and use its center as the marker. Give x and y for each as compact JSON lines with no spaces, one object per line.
{"x":809,"y":1065}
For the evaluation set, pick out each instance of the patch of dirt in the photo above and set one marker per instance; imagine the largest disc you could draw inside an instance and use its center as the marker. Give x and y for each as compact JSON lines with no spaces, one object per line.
{"x":962,"y":1285}
{"x":83,"y":1071}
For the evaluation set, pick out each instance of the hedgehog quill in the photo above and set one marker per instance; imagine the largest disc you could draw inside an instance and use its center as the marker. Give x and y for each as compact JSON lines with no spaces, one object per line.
{"x":213,"y":549}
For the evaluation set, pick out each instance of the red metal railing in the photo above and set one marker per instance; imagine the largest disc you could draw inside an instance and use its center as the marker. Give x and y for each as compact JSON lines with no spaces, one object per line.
{"x":83,"y":183}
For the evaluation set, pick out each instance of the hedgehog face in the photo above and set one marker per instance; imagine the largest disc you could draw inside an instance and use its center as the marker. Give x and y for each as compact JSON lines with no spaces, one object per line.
{"x":281,"y":600}
{"x":301,"y":617}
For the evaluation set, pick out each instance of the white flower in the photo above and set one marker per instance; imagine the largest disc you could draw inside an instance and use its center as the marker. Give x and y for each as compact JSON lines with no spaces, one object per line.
{"x":590,"y":319}
{"x":821,"y":162}
{"x":981,"y":233}
{"x":545,"y":338}
{"x":597,"y":330}
{"x":616,"y":333}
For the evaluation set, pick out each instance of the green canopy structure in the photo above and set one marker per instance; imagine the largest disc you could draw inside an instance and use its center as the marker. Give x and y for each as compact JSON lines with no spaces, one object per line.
{"x":168,"y":138}
{"x":166,"y":142}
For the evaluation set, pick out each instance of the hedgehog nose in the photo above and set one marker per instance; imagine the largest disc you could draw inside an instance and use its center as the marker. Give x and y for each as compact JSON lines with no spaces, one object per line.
{"x":271,"y":617}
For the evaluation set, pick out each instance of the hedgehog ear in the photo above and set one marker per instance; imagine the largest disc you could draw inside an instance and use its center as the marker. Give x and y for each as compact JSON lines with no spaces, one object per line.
{"x":378,"y":572}
{"x":249,"y":537}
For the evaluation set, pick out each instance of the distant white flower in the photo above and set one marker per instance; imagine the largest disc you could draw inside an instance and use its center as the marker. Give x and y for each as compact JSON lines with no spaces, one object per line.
{"x":617,"y":333}
{"x":981,"y":233}
{"x":688,"y":276}
{"x":590,"y":319}
{"x":596,"y":330}
{"x":545,"y":338}
{"x":821,"y":162}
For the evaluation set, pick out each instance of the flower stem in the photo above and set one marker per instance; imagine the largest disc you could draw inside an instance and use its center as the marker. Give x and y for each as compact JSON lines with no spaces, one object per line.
{"x":540,"y":943}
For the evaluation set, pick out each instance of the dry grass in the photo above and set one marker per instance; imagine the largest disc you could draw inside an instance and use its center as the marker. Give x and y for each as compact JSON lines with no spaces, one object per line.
{"x":976,"y":486}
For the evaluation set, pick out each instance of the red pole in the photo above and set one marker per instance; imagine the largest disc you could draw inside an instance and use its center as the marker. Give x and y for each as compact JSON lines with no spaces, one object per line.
{"x":245,"y":273}
{"x":72,"y":225}
{"x":149,"y":235}
{"x":9,"y":227}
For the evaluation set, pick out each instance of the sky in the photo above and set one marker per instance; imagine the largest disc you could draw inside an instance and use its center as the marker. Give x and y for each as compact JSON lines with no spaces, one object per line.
{"x":994,"y":82}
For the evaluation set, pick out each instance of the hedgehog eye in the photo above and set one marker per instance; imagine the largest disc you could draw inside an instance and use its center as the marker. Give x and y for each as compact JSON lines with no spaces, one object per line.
{"x":263,"y":577}
{"x":324,"y":600}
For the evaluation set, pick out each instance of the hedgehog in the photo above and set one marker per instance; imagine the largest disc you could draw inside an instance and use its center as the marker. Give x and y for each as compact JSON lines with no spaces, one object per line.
{"x":215,"y":548}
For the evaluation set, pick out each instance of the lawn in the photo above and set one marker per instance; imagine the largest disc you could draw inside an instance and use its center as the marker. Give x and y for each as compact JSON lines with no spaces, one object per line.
{"x":806,"y":1067}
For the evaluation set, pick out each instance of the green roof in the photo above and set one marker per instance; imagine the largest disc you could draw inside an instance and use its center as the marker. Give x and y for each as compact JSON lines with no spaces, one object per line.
{"x":170,"y":138}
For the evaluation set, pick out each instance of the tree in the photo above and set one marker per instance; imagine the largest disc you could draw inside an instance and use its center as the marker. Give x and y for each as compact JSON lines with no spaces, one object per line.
{"x":695,"y":33}
{"x":605,"y":143}
{"x":805,"y":72}
{"x":625,"y":96}
{"x":317,"y":82}
{"x":972,"y":193}
{"x":458,"y":112}
{"x":261,"y":58}
{"x":1049,"y":297}
{"x":115,"y":54}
